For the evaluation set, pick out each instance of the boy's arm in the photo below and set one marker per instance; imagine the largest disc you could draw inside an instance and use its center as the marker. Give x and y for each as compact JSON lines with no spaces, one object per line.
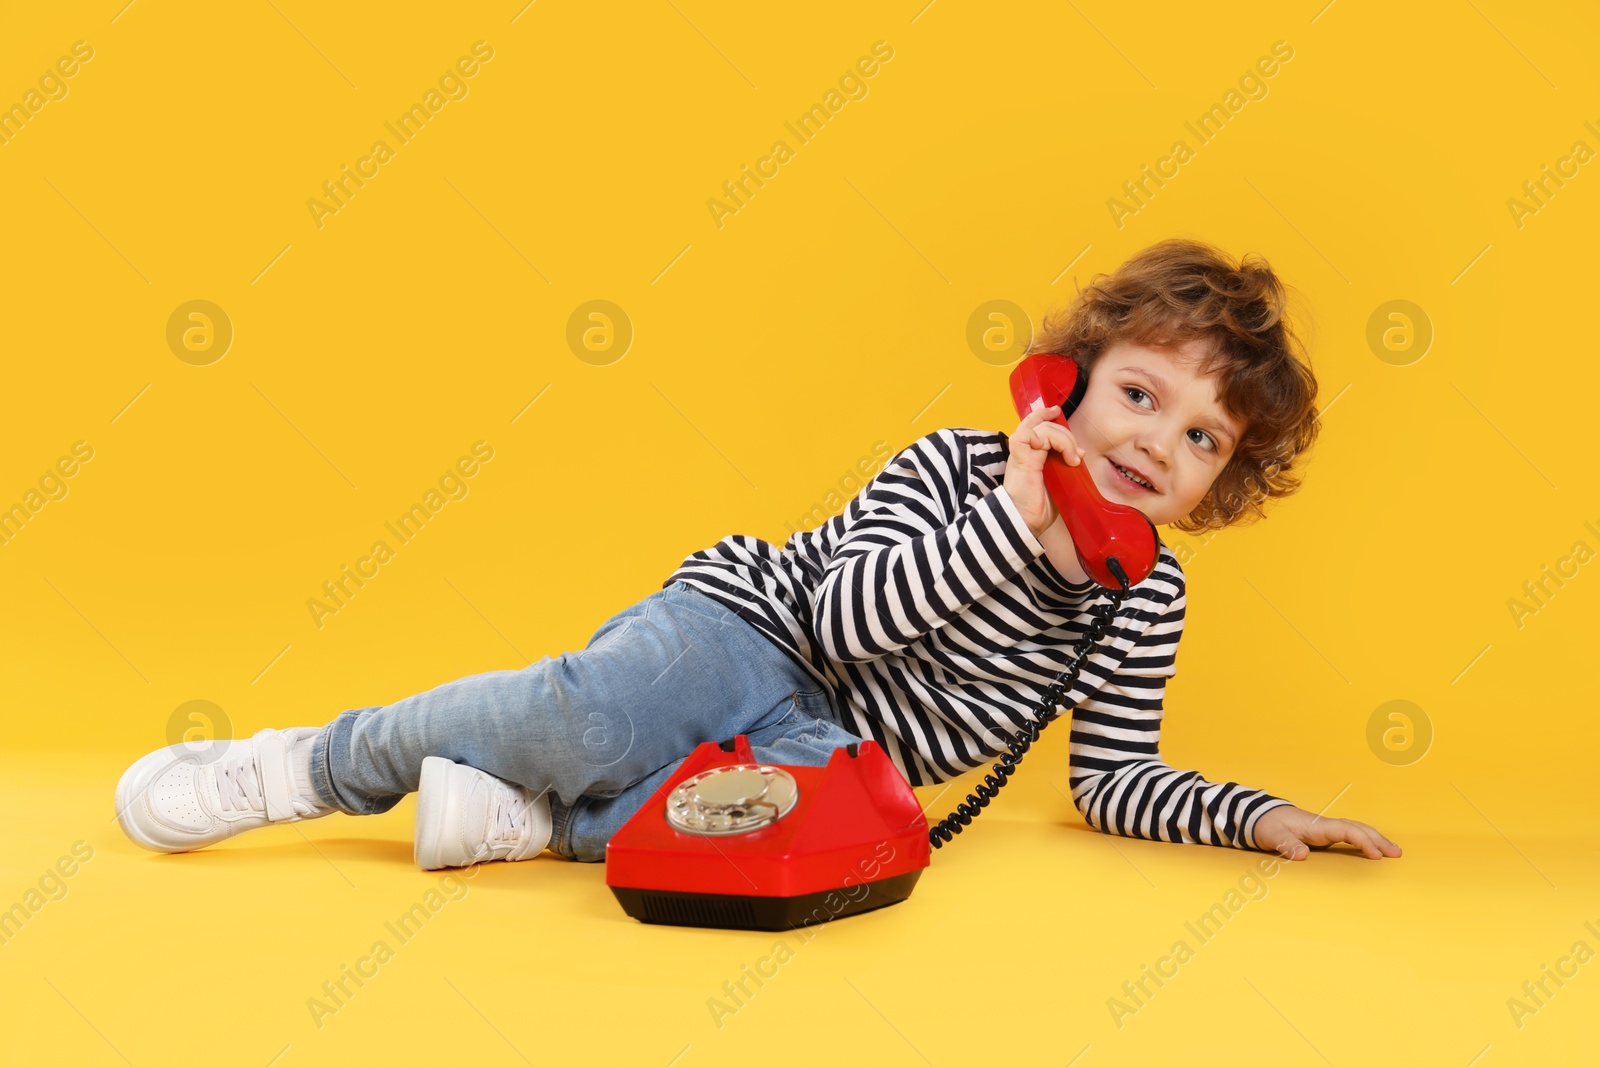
{"x":1119,"y":782}
{"x":912,"y":560}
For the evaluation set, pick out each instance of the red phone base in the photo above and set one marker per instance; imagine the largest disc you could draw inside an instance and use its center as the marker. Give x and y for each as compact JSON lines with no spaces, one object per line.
{"x":853,"y":840}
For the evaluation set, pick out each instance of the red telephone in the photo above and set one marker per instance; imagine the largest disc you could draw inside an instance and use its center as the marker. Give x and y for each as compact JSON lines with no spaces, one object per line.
{"x":729,"y":842}
{"x":1106,"y":535}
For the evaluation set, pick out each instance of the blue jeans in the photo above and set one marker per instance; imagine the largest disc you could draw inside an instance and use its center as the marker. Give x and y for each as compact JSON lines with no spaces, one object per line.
{"x":597,"y":730}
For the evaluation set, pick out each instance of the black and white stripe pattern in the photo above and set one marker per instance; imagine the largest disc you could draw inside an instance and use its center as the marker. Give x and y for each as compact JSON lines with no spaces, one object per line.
{"x":930,"y":610}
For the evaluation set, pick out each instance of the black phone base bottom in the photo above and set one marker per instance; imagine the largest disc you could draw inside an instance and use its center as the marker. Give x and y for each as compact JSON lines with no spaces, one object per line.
{"x":728,"y":912}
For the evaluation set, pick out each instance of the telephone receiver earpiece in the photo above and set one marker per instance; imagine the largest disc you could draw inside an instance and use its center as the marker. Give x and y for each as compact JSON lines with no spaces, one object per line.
{"x":1108,"y":537}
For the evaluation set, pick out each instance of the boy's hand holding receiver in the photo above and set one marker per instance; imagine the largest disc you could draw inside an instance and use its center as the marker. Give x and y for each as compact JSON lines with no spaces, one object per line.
{"x":1034,"y":439}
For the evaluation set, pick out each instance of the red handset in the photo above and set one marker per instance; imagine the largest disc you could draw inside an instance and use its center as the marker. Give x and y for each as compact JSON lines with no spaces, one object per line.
{"x":1102,"y":531}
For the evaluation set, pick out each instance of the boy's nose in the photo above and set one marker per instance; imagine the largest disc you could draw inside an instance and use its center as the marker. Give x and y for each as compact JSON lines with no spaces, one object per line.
{"x":1152,"y":446}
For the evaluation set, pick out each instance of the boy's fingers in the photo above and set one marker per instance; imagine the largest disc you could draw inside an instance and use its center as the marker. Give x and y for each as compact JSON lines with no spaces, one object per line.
{"x":1378,"y":837}
{"x":1356,"y":836}
{"x":1038,"y":415}
{"x":1053,"y":442}
{"x":1043,"y":416}
{"x":1362,"y":836}
{"x":1328,"y":832}
{"x":1028,"y":428}
{"x":1374,"y":844}
{"x":1384,"y":846}
{"x":1333,"y":831}
{"x":1046,"y":417}
{"x":1061,"y":437}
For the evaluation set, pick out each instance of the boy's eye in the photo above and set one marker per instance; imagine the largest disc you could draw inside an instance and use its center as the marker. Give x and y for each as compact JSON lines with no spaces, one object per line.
{"x":1134,"y":391}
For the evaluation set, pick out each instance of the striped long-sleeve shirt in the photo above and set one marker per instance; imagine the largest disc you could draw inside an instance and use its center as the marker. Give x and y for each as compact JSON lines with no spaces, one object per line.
{"x":930,"y":611}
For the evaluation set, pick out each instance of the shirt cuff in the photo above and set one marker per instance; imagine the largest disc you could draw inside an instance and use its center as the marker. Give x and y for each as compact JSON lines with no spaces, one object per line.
{"x":1249,"y":828}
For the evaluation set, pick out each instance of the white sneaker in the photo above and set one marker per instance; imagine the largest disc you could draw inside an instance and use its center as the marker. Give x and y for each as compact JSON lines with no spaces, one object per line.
{"x":177,"y":798}
{"x":467,"y":816}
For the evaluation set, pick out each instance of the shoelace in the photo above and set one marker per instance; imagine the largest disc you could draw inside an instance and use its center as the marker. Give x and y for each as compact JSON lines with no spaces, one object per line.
{"x":509,"y":822}
{"x":509,"y":817}
{"x":239,"y":785}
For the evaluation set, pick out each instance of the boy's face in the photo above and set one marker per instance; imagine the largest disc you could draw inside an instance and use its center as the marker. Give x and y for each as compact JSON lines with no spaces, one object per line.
{"x":1146,"y":409}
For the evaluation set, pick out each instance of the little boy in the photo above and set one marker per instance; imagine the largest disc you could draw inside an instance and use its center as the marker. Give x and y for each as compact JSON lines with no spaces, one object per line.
{"x":928,"y":616}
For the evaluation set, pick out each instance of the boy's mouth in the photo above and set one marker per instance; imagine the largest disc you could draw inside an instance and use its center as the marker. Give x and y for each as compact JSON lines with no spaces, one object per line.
{"x":1127,"y":479}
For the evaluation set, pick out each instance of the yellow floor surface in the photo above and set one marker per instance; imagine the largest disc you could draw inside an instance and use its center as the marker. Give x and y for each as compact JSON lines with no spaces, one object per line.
{"x":1030,"y":933}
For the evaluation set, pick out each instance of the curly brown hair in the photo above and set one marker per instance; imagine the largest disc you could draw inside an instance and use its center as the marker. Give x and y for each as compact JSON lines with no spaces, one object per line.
{"x":1178,"y":290}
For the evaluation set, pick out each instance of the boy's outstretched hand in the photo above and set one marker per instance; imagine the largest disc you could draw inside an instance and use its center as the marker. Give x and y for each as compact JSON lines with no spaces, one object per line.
{"x":1294,"y":832}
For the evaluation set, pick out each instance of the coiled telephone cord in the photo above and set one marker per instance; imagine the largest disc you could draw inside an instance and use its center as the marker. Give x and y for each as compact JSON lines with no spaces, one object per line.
{"x":952,"y":824}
